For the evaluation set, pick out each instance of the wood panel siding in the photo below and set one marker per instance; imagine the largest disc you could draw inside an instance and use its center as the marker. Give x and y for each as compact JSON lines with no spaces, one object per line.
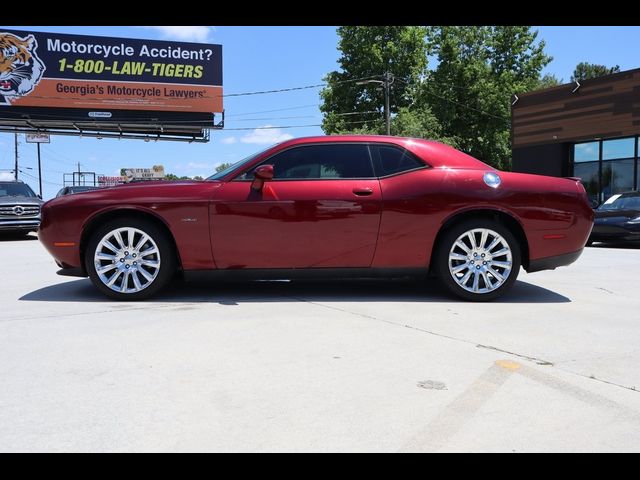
{"x":601,"y":108}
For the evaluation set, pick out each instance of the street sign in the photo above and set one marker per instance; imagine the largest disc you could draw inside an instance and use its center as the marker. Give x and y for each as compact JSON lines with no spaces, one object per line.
{"x":38,"y":138}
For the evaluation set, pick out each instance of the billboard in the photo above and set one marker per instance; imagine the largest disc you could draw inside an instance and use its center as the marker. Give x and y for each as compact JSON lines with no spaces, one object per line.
{"x":101,"y":74}
{"x":154,"y":173}
{"x":106,"y":73}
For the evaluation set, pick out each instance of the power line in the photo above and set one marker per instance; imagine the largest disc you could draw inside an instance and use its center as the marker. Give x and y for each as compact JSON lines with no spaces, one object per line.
{"x":430,"y":92}
{"x":241,"y":94}
{"x":273,"y":127}
{"x":271,"y":111}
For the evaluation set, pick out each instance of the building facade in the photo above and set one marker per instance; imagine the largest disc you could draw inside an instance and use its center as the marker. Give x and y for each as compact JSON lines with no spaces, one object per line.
{"x":589,"y":130}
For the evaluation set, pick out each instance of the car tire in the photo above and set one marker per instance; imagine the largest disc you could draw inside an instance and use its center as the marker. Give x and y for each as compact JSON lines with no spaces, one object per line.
{"x":481,"y":271}
{"x":136,"y":250}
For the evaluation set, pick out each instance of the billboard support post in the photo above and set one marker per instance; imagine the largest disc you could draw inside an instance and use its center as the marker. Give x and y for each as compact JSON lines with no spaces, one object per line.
{"x":15,"y":171}
{"x":39,"y":170}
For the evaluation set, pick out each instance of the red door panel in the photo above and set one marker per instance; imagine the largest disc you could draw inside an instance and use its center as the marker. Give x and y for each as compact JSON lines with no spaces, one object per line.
{"x":296,"y":224}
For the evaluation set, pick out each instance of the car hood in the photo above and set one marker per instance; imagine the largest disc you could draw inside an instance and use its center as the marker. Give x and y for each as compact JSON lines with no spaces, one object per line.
{"x":616,"y":213}
{"x":22,"y":200}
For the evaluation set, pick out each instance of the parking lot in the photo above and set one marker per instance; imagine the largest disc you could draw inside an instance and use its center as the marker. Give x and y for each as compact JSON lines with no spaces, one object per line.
{"x":321,"y":366}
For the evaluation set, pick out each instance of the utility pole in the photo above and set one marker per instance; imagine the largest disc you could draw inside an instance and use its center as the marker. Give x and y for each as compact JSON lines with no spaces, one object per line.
{"x":386,"y":85}
{"x":387,"y":113}
{"x":15,"y":172}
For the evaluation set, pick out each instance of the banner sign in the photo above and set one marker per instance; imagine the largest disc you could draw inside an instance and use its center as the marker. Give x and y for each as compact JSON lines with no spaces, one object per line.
{"x":156,"y":172}
{"x":105,"y":73}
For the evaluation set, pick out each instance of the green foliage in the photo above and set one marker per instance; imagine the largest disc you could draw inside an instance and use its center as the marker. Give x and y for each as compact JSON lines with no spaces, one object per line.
{"x":470,"y":92}
{"x":171,"y":176}
{"x":465,"y":101}
{"x":547,"y":81}
{"x":586,"y":70}
{"x":223,"y":166}
{"x":369,"y":52}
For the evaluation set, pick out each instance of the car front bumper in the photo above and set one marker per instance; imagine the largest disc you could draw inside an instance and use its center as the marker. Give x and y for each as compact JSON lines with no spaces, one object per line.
{"x":30,"y":225}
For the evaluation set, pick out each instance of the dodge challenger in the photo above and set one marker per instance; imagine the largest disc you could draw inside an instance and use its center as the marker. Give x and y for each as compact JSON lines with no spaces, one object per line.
{"x":332,"y":206}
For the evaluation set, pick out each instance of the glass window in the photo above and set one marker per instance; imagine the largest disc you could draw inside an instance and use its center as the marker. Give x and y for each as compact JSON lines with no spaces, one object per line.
{"x":588,"y":172}
{"x":617,"y":177}
{"x":586,"y":152}
{"x":322,"y":162}
{"x":395,"y":160}
{"x":16,"y":189}
{"x":619,"y":148}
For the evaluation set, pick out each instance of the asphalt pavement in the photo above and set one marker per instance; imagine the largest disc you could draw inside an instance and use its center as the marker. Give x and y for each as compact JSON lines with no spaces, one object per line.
{"x":321,"y":366}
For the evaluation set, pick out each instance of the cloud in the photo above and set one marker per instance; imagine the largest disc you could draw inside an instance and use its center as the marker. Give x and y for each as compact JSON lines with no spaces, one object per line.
{"x":193,"y":165}
{"x":186,"y":34}
{"x":6,"y":177}
{"x":265,"y":136}
{"x":229,"y":140}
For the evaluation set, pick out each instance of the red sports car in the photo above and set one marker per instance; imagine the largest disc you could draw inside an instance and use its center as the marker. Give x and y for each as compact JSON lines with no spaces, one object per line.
{"x":334,"y":206}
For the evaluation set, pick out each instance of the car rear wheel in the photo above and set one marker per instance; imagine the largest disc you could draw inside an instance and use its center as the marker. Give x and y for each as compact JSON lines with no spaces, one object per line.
{"x":130,"y":259}
{"x":478,"y":260}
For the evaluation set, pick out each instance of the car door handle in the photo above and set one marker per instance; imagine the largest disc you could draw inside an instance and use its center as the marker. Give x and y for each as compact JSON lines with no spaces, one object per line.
{"x":363,"y":191}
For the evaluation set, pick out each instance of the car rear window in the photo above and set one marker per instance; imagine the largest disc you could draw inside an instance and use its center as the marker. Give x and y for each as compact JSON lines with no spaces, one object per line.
{"x":392,"y":160}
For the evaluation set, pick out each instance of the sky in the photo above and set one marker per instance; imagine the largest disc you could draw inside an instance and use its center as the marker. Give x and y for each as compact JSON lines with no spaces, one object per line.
{"x":255,"y":59}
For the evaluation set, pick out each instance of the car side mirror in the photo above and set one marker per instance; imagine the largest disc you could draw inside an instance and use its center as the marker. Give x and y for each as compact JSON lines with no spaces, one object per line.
{"x":40,"y":196}
{"x":262,"y":174}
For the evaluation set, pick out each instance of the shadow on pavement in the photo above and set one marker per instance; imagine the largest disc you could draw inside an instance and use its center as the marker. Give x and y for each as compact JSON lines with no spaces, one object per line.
{"x":232,"y":293}
{"x":17,"y":237}
{"x":626,"y":245}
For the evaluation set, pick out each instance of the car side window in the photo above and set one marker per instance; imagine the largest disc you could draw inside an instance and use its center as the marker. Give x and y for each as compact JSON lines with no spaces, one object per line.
{"x":320,"y":162}
{"x":392,"y":160}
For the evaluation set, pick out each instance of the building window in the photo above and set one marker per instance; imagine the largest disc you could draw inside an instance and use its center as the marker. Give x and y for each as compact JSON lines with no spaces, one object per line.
{"x":589,"y":172}
{"x":619,"y":148}
{"x":607,"y":167}
{"x":586,"y":152}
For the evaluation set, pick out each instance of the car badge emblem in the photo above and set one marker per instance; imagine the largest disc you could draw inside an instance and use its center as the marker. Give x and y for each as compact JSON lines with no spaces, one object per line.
{"x":18,"y":210}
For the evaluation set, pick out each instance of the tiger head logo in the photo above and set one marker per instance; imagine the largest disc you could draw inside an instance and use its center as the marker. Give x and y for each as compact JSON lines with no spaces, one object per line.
{"x":20,"y":67}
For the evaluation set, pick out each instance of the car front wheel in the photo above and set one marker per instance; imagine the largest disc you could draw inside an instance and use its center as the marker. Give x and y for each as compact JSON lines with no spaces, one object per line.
{"x":129,"y":259}
{"x":478,"y":260}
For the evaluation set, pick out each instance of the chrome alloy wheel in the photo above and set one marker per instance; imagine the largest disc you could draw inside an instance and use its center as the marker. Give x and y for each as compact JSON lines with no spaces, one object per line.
{"x":480,"y":260}
{"x":127,"y":260}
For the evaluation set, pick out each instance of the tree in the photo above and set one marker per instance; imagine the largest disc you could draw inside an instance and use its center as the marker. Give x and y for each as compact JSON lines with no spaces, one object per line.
{"x":547,"y":81}
{"x":223,"y":166}
{"x":198,"y":177}
{"x":171,"y":176}
{"x":369,"y":53}
{"x":586,"y":70}
{"x":470,"y":91}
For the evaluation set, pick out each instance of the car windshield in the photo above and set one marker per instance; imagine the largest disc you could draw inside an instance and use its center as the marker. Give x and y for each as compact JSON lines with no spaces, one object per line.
{"x":236,"y":166}
{"x":621,"y":202}
{"x":11,"y":189}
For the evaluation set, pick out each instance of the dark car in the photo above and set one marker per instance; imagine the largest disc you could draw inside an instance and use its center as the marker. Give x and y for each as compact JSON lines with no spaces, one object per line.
{"x":617,"y":220}
{"x":333,"y":206}
{"x":19,"y":208}
{"x":74,"y":189}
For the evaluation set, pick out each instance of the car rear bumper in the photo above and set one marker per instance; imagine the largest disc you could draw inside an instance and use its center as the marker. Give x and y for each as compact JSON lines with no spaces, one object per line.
{"x":551,"y":263}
